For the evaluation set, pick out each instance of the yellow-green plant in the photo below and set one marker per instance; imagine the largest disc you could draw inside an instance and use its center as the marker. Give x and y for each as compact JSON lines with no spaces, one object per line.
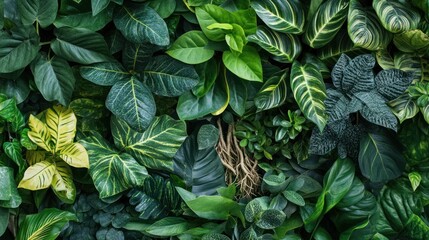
{"x":50,"y":164}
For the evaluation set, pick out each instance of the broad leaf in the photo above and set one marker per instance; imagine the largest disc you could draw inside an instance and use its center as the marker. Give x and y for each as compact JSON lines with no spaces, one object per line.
{"x":246,"y":65}
{"x":98,"y":5}
{"x":112,"y":172}
{"x":136,"y":56}
{"x":80,"y":45}
{"x":16,"y":88}
{"x":80,"y":16}
{"x":46,"y":224}
{"x":413,"y":41}
{"x":202,"y":170}
{"x":415,"y":179}
{"x":169,"y":226}
{"x":364,"y":28}
{"x":140,"y":24}
{"x":4,"y":212}
{"x":61,"y":123}
{"x":168,"y":77}
{"x":208,"y":73}
{"x":396,"y":16}
{"x":283,"y":47}
{"x":376,"y":111}
{"x":392,"y":83}
{"x":163,"y":8}
{"x":42,"y":11}
{"x":54,"y":78}
{"x":309,"y":91}
{"x":38,"y":176}
{"x":62,"y":182}
{"x":209,"y":14}
{"x":404,"y":107}
{"x":191,"y":48}
{"x":271,"y":218}
{"x":326,"y":23}
{"x":237,"y":93}
{"x":283,"y":16}
{"x":273,"y":93}
{"x":105,"y":74}
{"x":380,"y":158}
{"x":133,"y":102}
{"x":208,"y":136}
{"x":40,"y":133}
{"x":1,"y":22}
{"x":74,"y":154}
{"x":9,"y":196}
{"x":13,"y":150}
{"x":156,"y":146}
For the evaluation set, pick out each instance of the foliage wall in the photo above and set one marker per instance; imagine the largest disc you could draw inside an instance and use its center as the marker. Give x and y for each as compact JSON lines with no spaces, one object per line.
{"x":214,"y":119}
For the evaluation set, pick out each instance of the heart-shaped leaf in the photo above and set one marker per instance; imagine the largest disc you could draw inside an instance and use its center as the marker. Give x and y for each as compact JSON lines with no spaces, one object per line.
{"x":42,"y":11}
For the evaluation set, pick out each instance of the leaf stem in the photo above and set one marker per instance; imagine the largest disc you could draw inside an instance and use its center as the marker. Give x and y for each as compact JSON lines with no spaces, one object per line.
{"x":45,"y":43}
{"x":37,"y":28}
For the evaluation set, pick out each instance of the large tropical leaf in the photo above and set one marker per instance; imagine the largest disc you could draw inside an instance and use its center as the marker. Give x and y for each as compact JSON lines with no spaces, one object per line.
{"x":156,"y":146}
{"x":140,"y":24}
{"x":413,"y":41}
{"x":42,"y":11}
{"x":326,"y":23}
{"x":1,"y":14}
{"x":16,"y":88}
{"x":201,"y":169}
{"x":40,"y":133}
{"x":133,"y":102}
{"x":80,"y":45}
{"x":273,"y":93}
{"x":98,"y":5}
{"x":46,"y":225}
{"x":18,"y":48}
{"x":105,"y":74}
{"x":365,"y":29}
{"x":38,"y":176}
{"x":54,"y":78}
{"x":210,"y":14}
{"x":284,"y":16}
{"x":166,"y":76}
{"x":425,"y":112}
{"x":62,"y":182}
{"x":80,"y":16}
{"x":237,"y":94}
{"x":284,"y":47}
{"x":112,"y":172}
{"x":191,"y":48}
{"x":309,"y":91}
{"x":74,"y":154}
{"x":396,"y":16}
{"x":136,"y":56}
{"x":9,"y":196}
{"x":246,"y":65}
{"x":380,"y":158}
{"x":10,"y":113}
{"x":392,"y":83}
{"x":61,"y":123}
{"x":404,"y":107}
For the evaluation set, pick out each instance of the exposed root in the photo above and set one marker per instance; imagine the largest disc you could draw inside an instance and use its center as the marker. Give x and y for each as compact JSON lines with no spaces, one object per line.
{"x":240,"y":168}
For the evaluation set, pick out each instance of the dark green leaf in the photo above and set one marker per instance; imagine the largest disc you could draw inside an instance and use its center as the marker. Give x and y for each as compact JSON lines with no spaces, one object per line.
{"x":237,"y":93}
{"x":136,"y":56}
{"x":15,"y":88}
{"x":163,"y":8}
{"x":83,"y":18}
{"x":415,"y":228}
{"x":271,"y":219}
{"x":4,"y":219}
{"x":208,"y":136}
{"x":42,"y":11}
{"x":207,"y":73}
{"x":294,"y":197}
{"x":255,"y":207}
{"x":273,"y":93}
{"x":105,"y":74}
{"x":9,"y":196}
{"x":404,"y":107}
{"x":98,"y":5}
{"x":170,"y":226}
{"x":413,"y":41}
{"x":392,"y":83}
{"x":396,"y":16}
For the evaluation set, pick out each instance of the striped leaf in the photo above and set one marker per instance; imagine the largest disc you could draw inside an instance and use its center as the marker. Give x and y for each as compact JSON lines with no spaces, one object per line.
{"x":396,"y":16}
{"x":285,"y":16}
{"x":133,"y":102}
{"x":283,"y":47}
{"x":406,"y":62}
{"x":273,"y":93}
{"x":40,"y":133}
{"x":104,"y":74}
{"x":309,"y":92}
{"x":74,"y":154}
{"x":155,"y":147}
{"x":39,"y":176}
{"x":62,"y":182}
{"x":136,"y":56}
{"x":404,"y":107}
{"x":166,"y":76}
{"x":392,"y":83}
{"x":112,"y":172}
{"x":61,"y":124}
{"x":413,"y":41}
{"x":326,"y":23}
{"x":365,"y":29}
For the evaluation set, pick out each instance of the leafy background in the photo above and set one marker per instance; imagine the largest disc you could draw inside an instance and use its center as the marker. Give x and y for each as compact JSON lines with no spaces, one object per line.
{"x":214,"y":119}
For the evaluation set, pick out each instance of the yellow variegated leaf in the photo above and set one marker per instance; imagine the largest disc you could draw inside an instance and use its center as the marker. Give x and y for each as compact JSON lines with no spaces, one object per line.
{"x":74,"y":154}
{"x":34,"y":157}
{"x":61,"y":123}
{"x":39,"y":133}
{"x":39,"y":176}
{"x":62,"y":182}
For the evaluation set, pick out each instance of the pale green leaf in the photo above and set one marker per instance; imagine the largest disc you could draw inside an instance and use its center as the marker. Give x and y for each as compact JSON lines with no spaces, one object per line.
{"x":191,"y":48}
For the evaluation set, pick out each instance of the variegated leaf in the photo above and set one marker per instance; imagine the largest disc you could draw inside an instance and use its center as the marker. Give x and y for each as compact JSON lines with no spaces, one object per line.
{"x":413,"y":41}
{"x":396,"y":16}
{"x":39,"y":176}
{"x":74,"y":154}
{"x":155,"y":147}
{"x":425,"y":112}
{"x":392,"y":83}
{"x":61,"y":123}
{"x":34,"y":157}
{"x":309,"y":91}
{"x":62,"y":182}
{"x":326,"y":23}
{"x":404,"y":107}
{"x":364,"y":28}
{"x":273,"y":93}
{"x":285,"y":16}
{"x":284,"y":47}
{"x":111,"y":171}
{"x":39,"y":133}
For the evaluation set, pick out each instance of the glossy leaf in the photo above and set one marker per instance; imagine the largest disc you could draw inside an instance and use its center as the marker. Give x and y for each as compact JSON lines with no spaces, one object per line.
{"x":283,"y":16}
{"x":156,"y":146}
{"x":4,"y":217}
{"x":133,"y":102}
{"x":246,"y":65}
{"x":209,"y":14}
{"x":404,"y":107}
{"x":273,"y":93}
{"x":208,"y":136}
{"x":38,"y":176}
{"x":396,"y":16}
{"x":237,"y":94}
{"x":17,"y":89}
{"x":284,"y":47}
{"x":309,"y":91}
{"x":168,"y":77}
{"x":62,"y":182}
{"x":9,"y":196}
{"x":61,"y":123}
{"x":415,"y":179}
{"x":191,"y":48}
{"x":135,"y":57}
{"x":207,"y":73}
{"x":140,"y":23}
{"x":163,"y":8}
{"x":42,"y":11}
{"x":40,"y":133}
{"x":170,"y":226}
{"x":98,"y":5}
{"x":82,"y":17}
{"x":413,"y":41}
{"x":392,"y":83}
{"x":105,"y":74}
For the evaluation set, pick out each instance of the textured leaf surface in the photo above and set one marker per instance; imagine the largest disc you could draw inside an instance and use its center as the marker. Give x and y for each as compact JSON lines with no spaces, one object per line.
{"x":42,"y":11}
{"x":136,"y":56}
{"x":61,"y":123}
{"x":62,"y":182}
{"x":392,"y":83}
{"x":404,"y":107}
{"x":9,"y":196}
{"x":38,"y":176}
{"x":396,"y":16}
{"x":376,"y":110}
{"x":104,"y":74}
{"x":273,"y":93}
{"x":39,"y":134}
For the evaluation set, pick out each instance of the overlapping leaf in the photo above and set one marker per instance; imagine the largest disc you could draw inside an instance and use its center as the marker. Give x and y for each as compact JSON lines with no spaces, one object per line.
{"x":191,"y":48}
{"x":42,"y":11}
{"x":273,"y":93}
{"x":396,"y":16}
{"x":105,"y":74}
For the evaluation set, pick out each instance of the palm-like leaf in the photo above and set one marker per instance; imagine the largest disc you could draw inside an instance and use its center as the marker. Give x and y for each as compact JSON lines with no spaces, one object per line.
{"x":395,"y":16}
{"x":326,"y":23}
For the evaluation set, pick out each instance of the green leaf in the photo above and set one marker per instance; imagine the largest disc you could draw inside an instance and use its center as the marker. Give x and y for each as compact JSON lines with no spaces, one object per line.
{"x":273,"y":93}
{"x":133,"y":102}
{"x":425,"y":112}
{"x":294,"y":197}
{"x":271,"y":218}
{"x":396,"y":16}
{"x":208,"y":73}
{"x":170,"y":226}
{"x":309,"y":91}
{"x":111,"y":171}
{"x":208,"y":136}
{"x":54,"y":78}
{"x":163,"y":8}
{"x":364,"y":28}
{"x":404,"y":107}
{"x":415,"y":228}
{"x":1,"y":20}
{"x":201,"y":170}
{"x":412,"y":41}
{"x":46,"y":224}
{"x":209,"y":14}
{"x":136,"y":56}
{"x":237,"y":92}
{"x":9,"y":196}
{"x":115,"y":41}
{"x":140,"y":24}
{"x":10,"y":112}
{"x":283,"y":47}
{"x":255,"y":207}
{"x":379,"y":157}
{"x":392,"y":83}
{"x":246,"y":65}
{"x":42,"y":11}
{"x":18,"y":48}
{"x":236,"y":39}
{"x":326,"y":23}
{"x":4,"y":218}
{"x":283,"y":16}
{"x":105,"y":74}
{"x":80,"y":45}
{"x":98,"y":5}
{"x":423,"y":5}
{"x":191,"y":48}
{"x":168,"y":77}
{"x":376,"y":111}
{"x":16,"y":88}
{"x":81,"y":17}
{"x":415,"y":179}
{"x":356,"y":75}
{"x":13,"y":151}
{"x":156,"y":146}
